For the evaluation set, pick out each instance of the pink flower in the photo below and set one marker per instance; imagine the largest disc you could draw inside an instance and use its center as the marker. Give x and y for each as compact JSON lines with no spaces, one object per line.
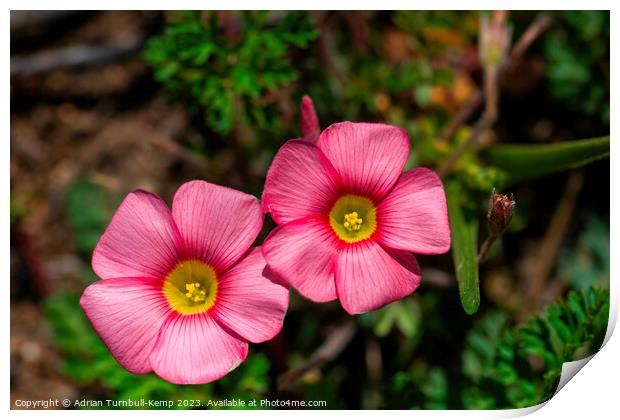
{"x":349,"y":219}
{"x":182,"y":291}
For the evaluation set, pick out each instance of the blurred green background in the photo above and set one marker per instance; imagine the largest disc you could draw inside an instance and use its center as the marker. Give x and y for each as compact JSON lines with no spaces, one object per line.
{"x":106,"y":102}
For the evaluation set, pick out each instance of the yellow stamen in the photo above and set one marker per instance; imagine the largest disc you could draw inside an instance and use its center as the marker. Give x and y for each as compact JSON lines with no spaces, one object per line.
{"x":191,"y":287}
{"x":353,"y":218}
{"x":352,"y":221}
{"x":194,"y":294}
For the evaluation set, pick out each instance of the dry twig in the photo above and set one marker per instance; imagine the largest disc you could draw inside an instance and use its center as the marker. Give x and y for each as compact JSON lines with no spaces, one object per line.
{"x":491,"y":95}
{"x":74,"y":56}
{"x":181,"y":153}
{"x":332,"y":347}
{"x":536,"y":28}
{"x":494,"y":40}
{"x":538,"y":278}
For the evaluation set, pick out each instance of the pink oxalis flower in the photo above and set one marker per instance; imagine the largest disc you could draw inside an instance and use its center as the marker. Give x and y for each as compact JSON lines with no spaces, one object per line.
{"x":182,"y":291}
{"x":349,"y":219}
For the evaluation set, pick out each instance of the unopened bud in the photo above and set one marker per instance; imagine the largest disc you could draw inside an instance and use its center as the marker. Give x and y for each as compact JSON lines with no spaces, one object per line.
{"x":501,"y":208}
{"x":494,"y":39}
{"x":310,"y":127}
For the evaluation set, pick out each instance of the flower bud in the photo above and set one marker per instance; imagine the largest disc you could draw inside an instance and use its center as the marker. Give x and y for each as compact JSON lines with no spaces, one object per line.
{"x":310,"y":127}
{"x":494,"y":40}
{"x":501,"y":208}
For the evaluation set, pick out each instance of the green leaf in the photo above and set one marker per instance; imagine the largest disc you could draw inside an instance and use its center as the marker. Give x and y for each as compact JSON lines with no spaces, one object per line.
{"x":385,"y":320}
{"x":408,"y":317}
{"x":464,"y":233}
{"x":522,"y":162}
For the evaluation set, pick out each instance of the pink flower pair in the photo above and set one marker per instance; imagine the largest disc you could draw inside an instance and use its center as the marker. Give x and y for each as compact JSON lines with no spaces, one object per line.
{"x":182,"y":291}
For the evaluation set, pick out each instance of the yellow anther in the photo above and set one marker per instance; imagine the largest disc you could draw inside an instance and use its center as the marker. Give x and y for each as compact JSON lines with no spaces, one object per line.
{"x":193,"y":293}
{"x":352,"y":221}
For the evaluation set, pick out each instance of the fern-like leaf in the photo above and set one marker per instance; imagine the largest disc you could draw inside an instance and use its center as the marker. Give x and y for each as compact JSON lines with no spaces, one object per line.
{"x":521,"y":367}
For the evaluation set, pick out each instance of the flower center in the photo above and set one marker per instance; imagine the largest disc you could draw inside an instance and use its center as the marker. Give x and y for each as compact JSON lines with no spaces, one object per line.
{"x":191,"y":287}
{"x":353,"y":218}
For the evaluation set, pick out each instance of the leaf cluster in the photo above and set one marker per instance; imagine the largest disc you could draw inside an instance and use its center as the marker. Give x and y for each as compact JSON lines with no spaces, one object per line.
{"x":521,"y":367}
{"x":577,"y":55}
{"x":223,"y":75}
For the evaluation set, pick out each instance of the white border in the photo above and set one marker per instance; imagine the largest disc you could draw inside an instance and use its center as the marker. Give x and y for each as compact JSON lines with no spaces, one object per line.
{"x":315,"y":5}
{"x":593,"y":394}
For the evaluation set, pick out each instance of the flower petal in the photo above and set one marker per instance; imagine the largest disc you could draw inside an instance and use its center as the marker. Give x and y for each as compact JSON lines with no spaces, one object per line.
{"x":140,"y":241}
{"x":248,"y":302}
{"x":218,"y":224}
{"x":369,"y":276}
{"x":194,"y":349}
{"x":300,"y":183}
{"x":303,"y":253}
{"x":368,"y":157}
{"x":414,"y":215}
{"x":127,"y":313}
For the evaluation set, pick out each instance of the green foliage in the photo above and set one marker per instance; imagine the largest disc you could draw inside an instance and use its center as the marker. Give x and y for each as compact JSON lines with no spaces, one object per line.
{"x":89,"y":208}
{"x":405,"y":315}
{"x":89,"y":363}
{"x":422,"y":387}
{"x":355,"y":80}
{"x":577,"y":55}
{"x":588,"y":264}
{"x":522,"y":162}
{"x":407,"y":79}
{"x":521,"y":367}
{"x":224,"y":76}
{"x":464,"y":231}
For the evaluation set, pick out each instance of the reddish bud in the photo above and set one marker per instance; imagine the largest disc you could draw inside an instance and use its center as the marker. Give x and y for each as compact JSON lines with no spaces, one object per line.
{"x":310,"y":127}
{"x":501,"y":208}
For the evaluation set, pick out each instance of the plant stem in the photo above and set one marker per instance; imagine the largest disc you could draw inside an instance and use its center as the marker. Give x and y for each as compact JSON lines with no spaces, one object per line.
{"x":492,"y":83}
{"x":486,"y":246}
{"x":538,"y":279}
